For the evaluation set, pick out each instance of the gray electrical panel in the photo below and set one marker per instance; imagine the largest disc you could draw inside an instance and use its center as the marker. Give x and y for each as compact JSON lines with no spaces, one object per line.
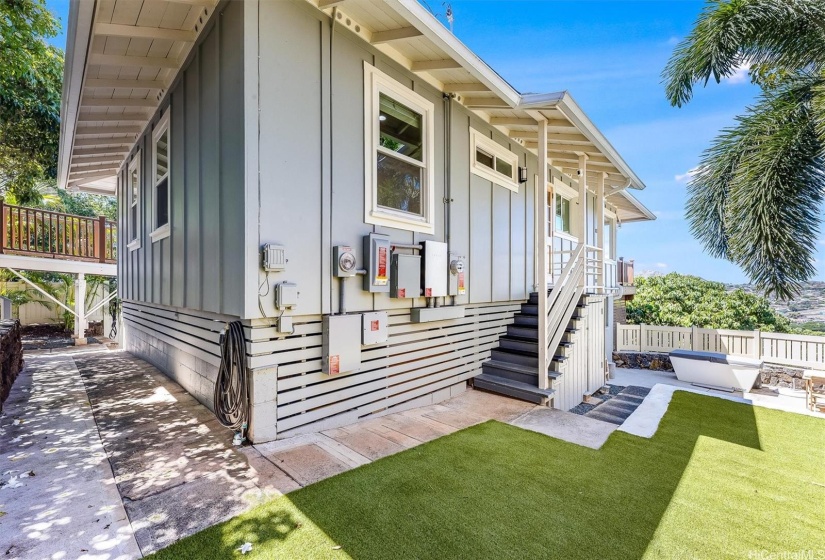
{"x":436,"y":265}
{"x":405,"y":276}
{"x":341,"y":344}
{"x":286,"y":295}
{"x":377,"y":256}
{"x":375,"y":328}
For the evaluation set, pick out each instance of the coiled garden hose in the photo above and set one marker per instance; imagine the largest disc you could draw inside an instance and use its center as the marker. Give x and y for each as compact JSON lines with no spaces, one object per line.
{"x":232,"y":385}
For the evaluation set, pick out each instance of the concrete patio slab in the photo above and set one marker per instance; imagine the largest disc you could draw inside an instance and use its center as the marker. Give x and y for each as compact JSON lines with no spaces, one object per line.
{"x":566,"y":426}
{"x":308,"y":463}
{"x":369,"y":444}
{"x":70,"y":507}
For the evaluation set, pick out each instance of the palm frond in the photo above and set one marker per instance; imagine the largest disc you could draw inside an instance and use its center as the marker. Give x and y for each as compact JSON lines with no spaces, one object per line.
{"x":757,"y":198}
{"x":787,"y":35}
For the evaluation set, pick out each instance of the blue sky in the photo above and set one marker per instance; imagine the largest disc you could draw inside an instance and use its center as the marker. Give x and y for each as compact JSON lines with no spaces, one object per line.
{"x":609,"y":55}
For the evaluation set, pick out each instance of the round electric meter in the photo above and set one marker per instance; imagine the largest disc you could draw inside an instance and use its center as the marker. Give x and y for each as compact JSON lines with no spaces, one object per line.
{"x":347,"y":262}
{"x":457,"y":267}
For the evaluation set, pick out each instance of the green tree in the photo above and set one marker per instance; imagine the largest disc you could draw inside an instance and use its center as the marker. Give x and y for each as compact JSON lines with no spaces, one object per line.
{"x":678,"y":300}
{"x":31,"y":74}
{"x":757,"y":194}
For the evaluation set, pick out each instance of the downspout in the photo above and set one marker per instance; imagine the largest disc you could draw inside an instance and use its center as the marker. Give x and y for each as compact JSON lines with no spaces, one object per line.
{"x":448,"y":199}
{"x":341,"y":291}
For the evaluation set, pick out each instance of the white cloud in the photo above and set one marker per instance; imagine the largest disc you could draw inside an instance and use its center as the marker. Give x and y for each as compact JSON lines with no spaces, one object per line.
{"x":672,"y":41}
{"x":661,"y":265}
{"x":685,"y":176}
{"x":740,"y":76}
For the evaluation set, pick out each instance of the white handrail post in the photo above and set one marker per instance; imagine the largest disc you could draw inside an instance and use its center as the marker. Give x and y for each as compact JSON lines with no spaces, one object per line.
{"x":600,"y":227}
{"x":583,"y":209}
{"x":541,"y":247}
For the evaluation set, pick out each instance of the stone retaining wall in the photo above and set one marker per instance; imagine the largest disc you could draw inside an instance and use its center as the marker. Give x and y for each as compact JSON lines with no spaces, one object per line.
{"x":11,"y":356}
{"x":772,"y":374}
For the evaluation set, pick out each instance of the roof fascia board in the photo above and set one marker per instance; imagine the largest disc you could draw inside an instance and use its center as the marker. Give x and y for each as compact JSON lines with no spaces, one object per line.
{"x":77,"y":47}
{"x":574,"y":113}
{"x":648,"y":215}
{"x":431,"y":28}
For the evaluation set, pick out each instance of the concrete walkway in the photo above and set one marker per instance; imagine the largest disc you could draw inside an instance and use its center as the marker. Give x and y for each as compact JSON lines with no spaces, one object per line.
{"x":58,"y":497}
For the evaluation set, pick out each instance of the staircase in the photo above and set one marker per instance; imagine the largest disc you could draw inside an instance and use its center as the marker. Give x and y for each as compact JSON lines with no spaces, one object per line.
{"x":513,"y":368}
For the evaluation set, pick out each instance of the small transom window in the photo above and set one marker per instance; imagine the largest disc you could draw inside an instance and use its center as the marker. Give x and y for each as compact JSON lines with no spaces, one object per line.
{"x":493,"y":161}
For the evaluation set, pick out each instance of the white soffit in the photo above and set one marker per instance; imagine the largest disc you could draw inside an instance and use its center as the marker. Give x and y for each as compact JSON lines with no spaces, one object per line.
{"x":121,"y":56}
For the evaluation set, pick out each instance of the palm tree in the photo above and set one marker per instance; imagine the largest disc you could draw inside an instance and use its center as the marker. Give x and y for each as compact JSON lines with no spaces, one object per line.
{"x":757,"y":194}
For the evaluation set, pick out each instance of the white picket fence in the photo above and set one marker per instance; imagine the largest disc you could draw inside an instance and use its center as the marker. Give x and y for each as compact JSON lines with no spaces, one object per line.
{"x":775,"y":348}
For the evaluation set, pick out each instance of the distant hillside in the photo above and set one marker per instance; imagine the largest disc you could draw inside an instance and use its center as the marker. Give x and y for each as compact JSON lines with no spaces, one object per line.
{"x":806,"y":311}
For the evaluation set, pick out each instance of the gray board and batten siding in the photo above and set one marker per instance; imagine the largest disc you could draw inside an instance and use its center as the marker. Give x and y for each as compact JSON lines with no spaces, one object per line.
{"x":312,"y":170}
{"x":199,"y":266}
{"x":310,"y":153}
{"x":312,"y":198}
{"x":179,"y":291}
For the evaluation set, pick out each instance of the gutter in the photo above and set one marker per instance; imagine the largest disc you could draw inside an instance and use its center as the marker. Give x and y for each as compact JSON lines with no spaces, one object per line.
{"x":79,"y":29}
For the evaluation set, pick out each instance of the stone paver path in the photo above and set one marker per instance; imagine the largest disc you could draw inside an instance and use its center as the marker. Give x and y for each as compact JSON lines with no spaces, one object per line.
{"x":127,"y":462}
{"x":173,"y":462}
{"x":58,"y":497}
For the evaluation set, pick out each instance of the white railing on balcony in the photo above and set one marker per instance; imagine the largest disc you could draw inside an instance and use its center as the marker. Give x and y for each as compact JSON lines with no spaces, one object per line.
{"x":611,"y":279}
{"x":776,"y":348}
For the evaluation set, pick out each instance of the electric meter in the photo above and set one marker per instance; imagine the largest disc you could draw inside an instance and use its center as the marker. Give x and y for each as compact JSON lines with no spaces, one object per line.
{"x":343,"y":261}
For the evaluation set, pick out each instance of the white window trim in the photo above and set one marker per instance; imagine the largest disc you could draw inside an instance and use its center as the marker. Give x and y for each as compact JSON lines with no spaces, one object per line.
{"x":375,"y":83}
{"x":562,"y":193}
{"x":163,"y":231}
{"x":486,"y":144}
{"x":134,"y":165}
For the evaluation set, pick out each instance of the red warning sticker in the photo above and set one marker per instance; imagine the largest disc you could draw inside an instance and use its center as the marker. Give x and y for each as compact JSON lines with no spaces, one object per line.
{"x":374,"y":326}
{"x":381,"y":276}
{"x":428,"y":292}
{"x":334,"y":365}
{"x":402,"y":292}
{"x":461,"y":288}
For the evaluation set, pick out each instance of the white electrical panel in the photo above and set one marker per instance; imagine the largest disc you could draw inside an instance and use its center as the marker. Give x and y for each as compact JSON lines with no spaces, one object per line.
{"x":377,"y":257}
{"x":341,"y":344}
{"x":434,"y":257}
{"x":374,"y":328}
{"x":286,"y":295}
{"x":274,"y":257}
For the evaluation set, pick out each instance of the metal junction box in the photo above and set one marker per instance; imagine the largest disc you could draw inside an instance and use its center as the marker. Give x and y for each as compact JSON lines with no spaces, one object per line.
{"x":375,"y":329}
{"x":377,"y":255}
{"x":436,"y":266}
{"x":341,"y":344}
{"x":286,"y":295}
{"x":405,"y":276}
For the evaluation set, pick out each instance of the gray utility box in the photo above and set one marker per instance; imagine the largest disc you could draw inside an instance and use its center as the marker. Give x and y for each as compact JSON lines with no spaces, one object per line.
{"x":375,"y":328}
{"x":377,"y":256}
{"x":436,"y":267}
{"x":341,"y":344}
{"x":405,"y":276}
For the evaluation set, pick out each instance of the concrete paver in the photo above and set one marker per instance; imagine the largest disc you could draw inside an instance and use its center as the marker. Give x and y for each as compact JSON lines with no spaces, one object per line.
{"x":71,"y":507}
{"x":566,"y":426}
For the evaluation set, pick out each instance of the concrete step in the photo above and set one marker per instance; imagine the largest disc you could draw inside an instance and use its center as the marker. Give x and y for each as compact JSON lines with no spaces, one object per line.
{"x":512,"y":371}
{"x":599,"y":413}
{"x":511,"y":388}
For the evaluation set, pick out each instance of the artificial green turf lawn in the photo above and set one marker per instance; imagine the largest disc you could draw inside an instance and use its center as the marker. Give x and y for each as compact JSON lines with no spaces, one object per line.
{"x":719,"y":479}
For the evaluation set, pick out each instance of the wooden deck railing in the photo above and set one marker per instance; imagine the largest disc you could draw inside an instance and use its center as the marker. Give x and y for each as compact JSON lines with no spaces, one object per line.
{"x":42,"y":233}
{"x":624,"y":272}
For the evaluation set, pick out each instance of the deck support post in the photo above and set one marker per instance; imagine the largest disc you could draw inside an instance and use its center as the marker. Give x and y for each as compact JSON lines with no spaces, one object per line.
{"x":80,"y":310}
{"x":542,"y":249}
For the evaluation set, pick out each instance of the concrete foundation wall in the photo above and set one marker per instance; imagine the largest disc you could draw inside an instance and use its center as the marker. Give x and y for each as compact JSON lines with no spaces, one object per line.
{"x":190,"y":372}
